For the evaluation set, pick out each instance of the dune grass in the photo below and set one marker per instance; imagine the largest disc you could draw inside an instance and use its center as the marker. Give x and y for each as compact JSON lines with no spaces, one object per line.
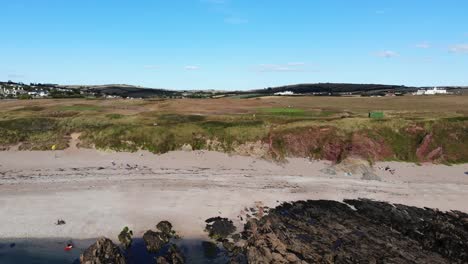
{"x":79,"y":107}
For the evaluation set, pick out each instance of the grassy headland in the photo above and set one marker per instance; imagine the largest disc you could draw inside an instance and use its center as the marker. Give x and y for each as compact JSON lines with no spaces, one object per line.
{"x":414,"y":129}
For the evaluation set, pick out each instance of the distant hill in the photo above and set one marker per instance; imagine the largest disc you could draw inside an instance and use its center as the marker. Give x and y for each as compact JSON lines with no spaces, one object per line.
{"x":123,"y":90}
{"x":333,"y":89}
{"x":337,"y":89}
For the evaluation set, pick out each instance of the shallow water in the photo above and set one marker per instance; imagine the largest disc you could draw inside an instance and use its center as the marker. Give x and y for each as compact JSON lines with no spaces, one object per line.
{"x":52,"y":251}
{"x":39,"y":251}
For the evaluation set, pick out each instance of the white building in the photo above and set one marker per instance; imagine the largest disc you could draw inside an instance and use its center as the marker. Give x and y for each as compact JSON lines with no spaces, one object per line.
{"x":435,"y":90}
{"x":284,"y":93}
{"x":432,"y":91}
{"x":38,"y":93}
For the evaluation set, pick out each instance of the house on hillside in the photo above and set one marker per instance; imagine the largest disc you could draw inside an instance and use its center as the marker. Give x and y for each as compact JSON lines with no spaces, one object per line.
{"x":285,"y":93}
{"x":436,"y":90}
{"x":432,"y":91}
{"x":11,"y":90}
{"x":38,"y":93}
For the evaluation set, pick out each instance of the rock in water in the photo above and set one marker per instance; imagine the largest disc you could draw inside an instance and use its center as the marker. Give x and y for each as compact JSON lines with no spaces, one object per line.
{"x":165,"y":227}
{"x":125,"y":237}
{"x":104,"y":251}
{"x":155,"y":241}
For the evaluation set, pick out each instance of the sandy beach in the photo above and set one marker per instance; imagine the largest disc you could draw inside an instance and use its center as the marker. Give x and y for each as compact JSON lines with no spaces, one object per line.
{"x":98,"y":193}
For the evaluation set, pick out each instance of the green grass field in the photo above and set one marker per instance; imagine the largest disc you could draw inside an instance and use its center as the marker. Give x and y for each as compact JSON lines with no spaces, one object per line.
{"x":415,"y":129}
{"x":283,"y":111}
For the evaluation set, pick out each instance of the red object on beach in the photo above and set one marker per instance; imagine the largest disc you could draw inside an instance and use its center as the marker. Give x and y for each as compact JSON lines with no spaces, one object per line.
{"x":68,"y":247}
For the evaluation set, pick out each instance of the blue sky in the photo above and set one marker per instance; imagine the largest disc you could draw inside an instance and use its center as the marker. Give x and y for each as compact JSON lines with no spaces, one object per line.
{"x":234,"y":44}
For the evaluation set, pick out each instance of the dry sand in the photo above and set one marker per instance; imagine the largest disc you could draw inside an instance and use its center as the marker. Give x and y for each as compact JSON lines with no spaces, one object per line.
{"x":98,"y":193}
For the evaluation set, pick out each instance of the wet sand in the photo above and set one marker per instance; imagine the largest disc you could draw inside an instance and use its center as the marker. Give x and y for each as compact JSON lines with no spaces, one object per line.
{"x":98,"y":193}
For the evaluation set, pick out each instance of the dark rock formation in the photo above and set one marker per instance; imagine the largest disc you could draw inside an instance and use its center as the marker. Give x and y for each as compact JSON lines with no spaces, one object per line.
{"x":155,"y":241}
{"x":165,"y":227}
{"x":443,"y":232}
{"x":376,"y":232}
{"x":229,"y":246}
{"x":219,"y":228}
{"x":104,"y":251}
{"x":160,"y":242}
{"x":125,"y":237}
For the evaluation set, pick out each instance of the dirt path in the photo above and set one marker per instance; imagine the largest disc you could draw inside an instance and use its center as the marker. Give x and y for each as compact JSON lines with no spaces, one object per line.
{"x":98,"y":193}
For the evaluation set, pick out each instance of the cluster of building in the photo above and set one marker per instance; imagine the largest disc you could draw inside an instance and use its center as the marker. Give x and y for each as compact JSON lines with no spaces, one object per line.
{"x":17,"y":90}
{"x":11,"y":91}
{"x":39,"y":93}
{"x":432,"y":91}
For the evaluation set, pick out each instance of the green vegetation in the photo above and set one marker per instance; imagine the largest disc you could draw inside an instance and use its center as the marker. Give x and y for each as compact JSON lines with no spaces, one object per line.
{"x":376,"y":115}
{"x":306,"y":129}
{"x":24,"y":97}
{"x":114,"y":116}
{"x":283,"y":111}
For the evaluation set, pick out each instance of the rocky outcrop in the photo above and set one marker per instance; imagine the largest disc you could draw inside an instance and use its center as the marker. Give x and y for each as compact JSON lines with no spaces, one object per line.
{"x":165,"y":227}
{"x":104,"y":251}
{"x":357,"y":231}
{"x":219,"y":228}
{"x":125,"y":237}
{"x":155,"y":241}
{"x":443,"y":232}
{"x":160,"y":242}
{"x":353,"y":231}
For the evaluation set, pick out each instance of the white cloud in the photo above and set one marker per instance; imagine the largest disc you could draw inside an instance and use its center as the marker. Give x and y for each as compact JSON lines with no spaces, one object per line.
{"x":459,"y":48}
{"x":423,"y":45}
{"x":287,"y":67}
{"x":191,"y":68}
{"x":387,"y":54}
{"x":296,"y":63}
